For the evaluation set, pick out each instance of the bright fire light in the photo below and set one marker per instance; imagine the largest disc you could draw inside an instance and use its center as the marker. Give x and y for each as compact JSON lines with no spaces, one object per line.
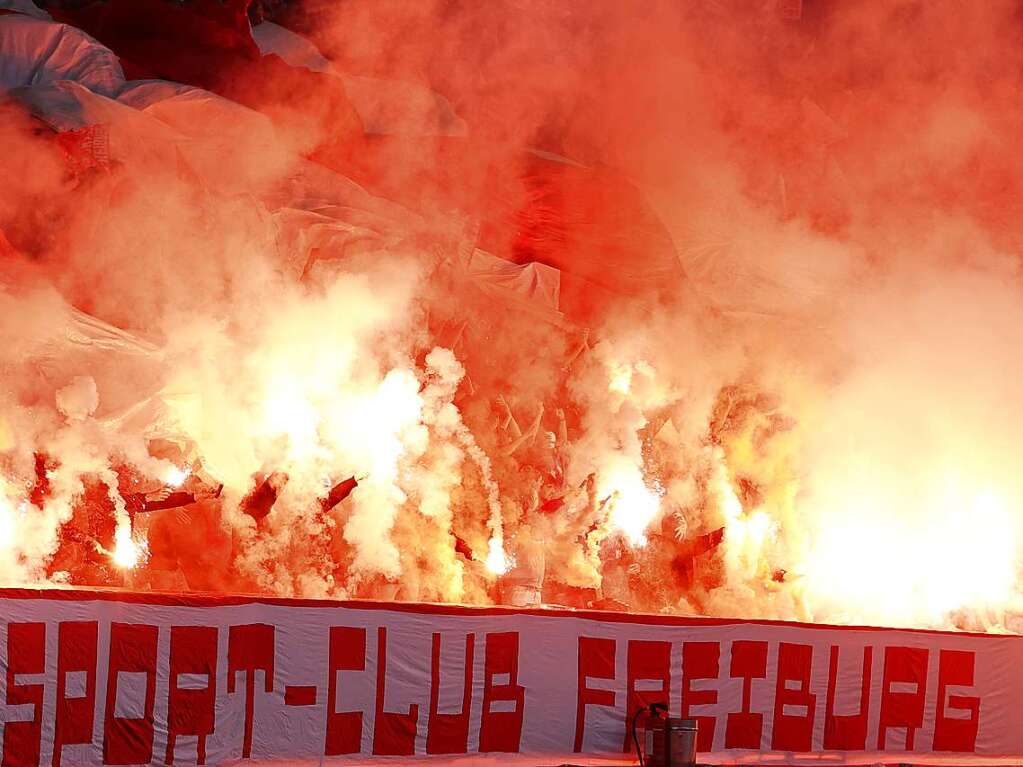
{"x":497,"y":560}
{"x":746,"y":533}
{"x":633,"y":505}
{"x":175,"y":477}
{"x":126,"y":552}
{"x":621,"y":378}
{"x":871,"y":561}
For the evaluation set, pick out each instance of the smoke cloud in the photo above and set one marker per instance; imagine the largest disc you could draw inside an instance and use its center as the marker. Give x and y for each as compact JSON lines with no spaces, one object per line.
{"x":717,"y":309}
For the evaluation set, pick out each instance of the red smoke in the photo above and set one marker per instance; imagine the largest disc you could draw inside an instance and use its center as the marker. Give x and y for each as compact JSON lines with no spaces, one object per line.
{"x":739,"y":281}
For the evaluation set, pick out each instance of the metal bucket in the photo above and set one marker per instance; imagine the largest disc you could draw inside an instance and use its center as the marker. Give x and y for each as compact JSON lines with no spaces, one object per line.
{"x":681,"y":742}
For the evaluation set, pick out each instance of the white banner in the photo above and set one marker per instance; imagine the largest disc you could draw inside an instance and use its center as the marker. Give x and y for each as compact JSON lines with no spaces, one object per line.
{"x":102,"y":678}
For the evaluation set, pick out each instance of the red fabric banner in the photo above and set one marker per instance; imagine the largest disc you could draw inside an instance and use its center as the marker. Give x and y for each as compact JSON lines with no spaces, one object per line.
{"x":105,"y":678}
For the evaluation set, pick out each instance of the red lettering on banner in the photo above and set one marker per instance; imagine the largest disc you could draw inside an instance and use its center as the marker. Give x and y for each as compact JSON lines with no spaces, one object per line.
{"x":449,"y":733}
{"x":501,"y":730}
{"x":347,"y":653}
{"x":847,"y":732}
{"x":793,"y":732}
{"x":64,"y":704}
{"x":129,"y":739}
{"x":26,"y":654}
{"x":596,"y":661}
{"x":744,"y":728}
{"x":955,"y":667}
{"x":902,"y":708}
{"x":393,"y":734}
{"x":250,"y":648}
{"x":700,"y":660}
{"x":191,"y":711}
{"x":76,"y":709}
{"x":647,"y":661}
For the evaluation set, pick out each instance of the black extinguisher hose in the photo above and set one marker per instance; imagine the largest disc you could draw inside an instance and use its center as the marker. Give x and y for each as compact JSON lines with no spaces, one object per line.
{"x":653,"y":708}
{"x":635,"y":738}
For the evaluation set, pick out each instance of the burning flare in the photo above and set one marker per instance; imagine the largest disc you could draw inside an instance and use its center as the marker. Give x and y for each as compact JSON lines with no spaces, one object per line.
{"x":497,"y":561}
{"x":126,"y":552}
{"x":175,"y":477}
{"x":632,"y":505}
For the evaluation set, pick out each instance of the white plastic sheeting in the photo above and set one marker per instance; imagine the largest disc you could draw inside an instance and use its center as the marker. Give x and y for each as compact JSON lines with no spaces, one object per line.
{"x":71,"y":81}
{"x":316,"y":218}
{"x":387,"y":107}
{"x":25,"y":6}
{"x":39,"y":52}
{"x":293,"y":48}
{"x":538,"y":285}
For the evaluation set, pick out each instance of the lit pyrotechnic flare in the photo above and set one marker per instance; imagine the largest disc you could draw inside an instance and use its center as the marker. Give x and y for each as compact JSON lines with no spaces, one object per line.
{"x":632,"y":505}
{"x":746,"y":533}
{"x":497,"y":559}
{"x":635,"y":381}
{"x":126,"y":551}
{"x":175,"y":477}
{"x":620,"y":378}
{"x":910,"y":579}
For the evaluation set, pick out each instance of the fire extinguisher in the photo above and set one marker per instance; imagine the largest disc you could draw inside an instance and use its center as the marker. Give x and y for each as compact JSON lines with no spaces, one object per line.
{"x":668,"y":742}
